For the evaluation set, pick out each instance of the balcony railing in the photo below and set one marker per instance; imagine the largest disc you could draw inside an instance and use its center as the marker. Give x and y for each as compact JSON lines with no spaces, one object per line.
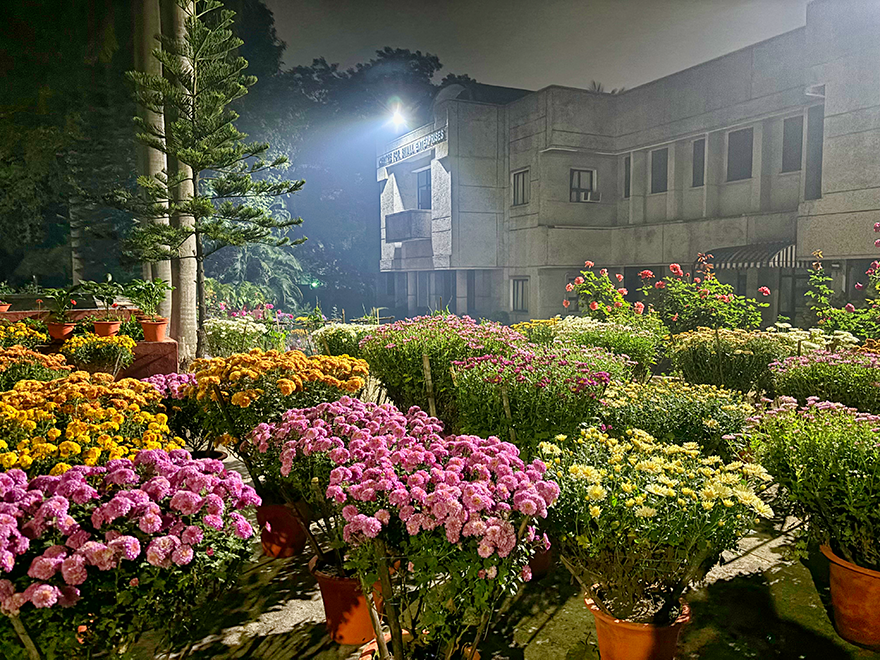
{"x":408,"y":226}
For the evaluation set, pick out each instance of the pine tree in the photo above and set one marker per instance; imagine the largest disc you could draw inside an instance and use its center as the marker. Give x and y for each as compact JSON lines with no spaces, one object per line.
{"x":217,"y":189}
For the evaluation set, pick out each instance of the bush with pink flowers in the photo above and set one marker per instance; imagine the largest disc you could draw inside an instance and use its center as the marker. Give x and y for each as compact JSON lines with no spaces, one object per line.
{"x":395,"y":352}
{"x":93,"y":557}
{"x":186,"y":416}
{"x":451,"y":516}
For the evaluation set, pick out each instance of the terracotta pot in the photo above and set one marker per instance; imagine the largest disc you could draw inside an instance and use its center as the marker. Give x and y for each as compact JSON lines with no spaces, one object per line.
{"x":346,"y":609}
{"x":622,"y":640}
{"x":154,"y":330}
{"x":107,"y":328}
{"x":541,"y":563}
{"x":4,"y":307}
{"x":855,"y":598}
{"x":60,"y":331}
{"x":283,"y":536}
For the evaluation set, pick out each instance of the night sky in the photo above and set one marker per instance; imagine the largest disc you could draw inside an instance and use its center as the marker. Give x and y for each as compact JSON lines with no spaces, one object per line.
{"x":535,"y":43}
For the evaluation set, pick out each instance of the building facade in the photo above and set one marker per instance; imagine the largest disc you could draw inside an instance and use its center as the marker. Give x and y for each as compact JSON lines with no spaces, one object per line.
{"x":759,"y":157}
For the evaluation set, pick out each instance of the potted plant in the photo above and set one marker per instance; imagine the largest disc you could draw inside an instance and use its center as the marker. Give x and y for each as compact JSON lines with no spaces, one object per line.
{"x":637,"y":522}
{"x":827,"y":459}
{"x":106,"y":293}
{"x":60,"y":325}
{"x":148,"y":295}
{"x":5,"y":290}
{"x":444,"y":523}
{"x":95,"y":557}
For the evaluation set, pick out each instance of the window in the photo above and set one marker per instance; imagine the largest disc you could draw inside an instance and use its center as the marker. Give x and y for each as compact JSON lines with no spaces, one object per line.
{"x":521,"y":188}
{"x":792,"y":144}
{"x":627,"y":176}
{"x":659,"y":167}
{"x":815,"y":138}
{"x":739,"y":155}
{"x":424,"y":187}
{"x":583,"y":182}
{"x":698,"y":174}
{"x":519,"y":294}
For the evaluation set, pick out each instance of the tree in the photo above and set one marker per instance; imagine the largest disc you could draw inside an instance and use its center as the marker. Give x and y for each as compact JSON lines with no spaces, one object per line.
{"x":202,"y":77}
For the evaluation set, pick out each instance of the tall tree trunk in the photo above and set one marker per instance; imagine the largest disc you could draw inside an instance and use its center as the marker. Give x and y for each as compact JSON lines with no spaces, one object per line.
{"x":184,"y":325}
{"x":200,"y":296}
{"x":76,"y":209}
{"x":147,"y":24}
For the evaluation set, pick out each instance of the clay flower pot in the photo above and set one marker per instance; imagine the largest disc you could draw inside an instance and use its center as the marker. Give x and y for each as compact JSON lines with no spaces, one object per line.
{"x":4,"y":307}
{"x":283,"y":536}
{"x":60,"y":331}
{"x":154,"y":330}
{"x":541,"y":563}
{"x":622,"y":640}
{"x":107,"y":328}
{"x":346,"y":609}
{"x":855,"y":597}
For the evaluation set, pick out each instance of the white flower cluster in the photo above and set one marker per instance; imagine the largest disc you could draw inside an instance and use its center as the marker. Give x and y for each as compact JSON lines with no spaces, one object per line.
{"x":814,"y":339}
{"x":352,"y":331}
{"x":235,"y":335}
{"x":575,"y":325}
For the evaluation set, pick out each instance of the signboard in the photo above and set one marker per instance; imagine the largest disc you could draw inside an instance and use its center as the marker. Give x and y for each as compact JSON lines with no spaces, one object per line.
{"x":413,"y":148}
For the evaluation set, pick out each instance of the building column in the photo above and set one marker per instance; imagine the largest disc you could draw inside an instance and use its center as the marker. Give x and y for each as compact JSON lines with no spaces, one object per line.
{"x":714,"y":173}
{"x":412,"y":288}
{"x":757,"y":167}
{"x":675,"y":178}
{"x":638,"y":186}
{"x":461,"y":306}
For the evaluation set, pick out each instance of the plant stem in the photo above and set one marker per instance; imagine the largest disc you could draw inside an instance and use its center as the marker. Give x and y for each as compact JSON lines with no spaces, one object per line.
{"x":388,"y":596}
{"x":26,"y":640}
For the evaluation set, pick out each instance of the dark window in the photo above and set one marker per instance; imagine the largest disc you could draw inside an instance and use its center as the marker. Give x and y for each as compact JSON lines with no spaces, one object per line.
{"x":520,"y":295}
{"x":424,"y":183}
{"x":521,"y":188}
{"x":815,"y":137}
{"x":698,"y":175}
{"x":627,"y":176}
{"x":659,"y":167}
{"x":582,"y":182}
{"x":792,"y":143}
{"x":739,"y":155}
{"x":422,"y":289}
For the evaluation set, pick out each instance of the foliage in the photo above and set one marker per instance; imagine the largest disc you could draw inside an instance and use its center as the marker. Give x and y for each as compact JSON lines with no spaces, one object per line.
{"x":638,"y":520}
{"x":96,"y":556}
{"x":222,"y":298}
{"x":845,"y":377}
{"x":19,"y":363}
{"x":93,"y":353}
{"x":548,"y":390}
{"x":105,"y":292}
{"x":863,"y":322}
{"x":62,"y":302}
{"x":185,"y":414}
{"x":239,"y":392}
{"x":341,"y":338}
{"x":684,"y":303}
{"x":676,"y":412}
{"x":827,"y":458}
{"x":5,"y":290}
{"x":395,"y":352}
{"x":733,"y":359}
{"x":80,"y":419}
{"x":21,"y":334}
{"x":131,"y":327}
{"x":148,"y":295}
{"x":598,"y":296}
{"x":201,"y":77}
{"x":452,"y":514}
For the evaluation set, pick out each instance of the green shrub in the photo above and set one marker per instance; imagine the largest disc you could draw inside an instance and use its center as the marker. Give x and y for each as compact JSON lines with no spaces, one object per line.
{"x":341,"y":338}
{"x":852,"y":379}
{"x":394,"y":353}
{"x":549,"y":389}
{"x":639,"y":337}
{"x":676,"y":412}
{"x":734,"y":359}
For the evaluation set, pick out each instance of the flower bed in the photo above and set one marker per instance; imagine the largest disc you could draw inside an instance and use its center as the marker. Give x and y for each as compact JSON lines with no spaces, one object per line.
{"x":21,"y":334}
{"x":19,"y":363}
{"x":395,"y":355}
{"x":96,"y":556}
{"x":638,"y":337}
{"x":80,"y":419}
{"x":93,"y":353}
{"x":846,"y":377}
{"x":676,"y":412}
{"x":341,"y":338}
{"x":638,"y":520}
{"x":549,"y":390}
{"x":734,"y":359}
{"x":226,"y":336}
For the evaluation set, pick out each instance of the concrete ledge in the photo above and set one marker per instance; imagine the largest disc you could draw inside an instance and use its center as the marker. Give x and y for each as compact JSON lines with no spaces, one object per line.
{"x":151,"y":358}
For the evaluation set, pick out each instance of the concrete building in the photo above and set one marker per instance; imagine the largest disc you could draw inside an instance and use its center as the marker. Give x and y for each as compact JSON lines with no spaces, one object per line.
{"x":760,"y":157}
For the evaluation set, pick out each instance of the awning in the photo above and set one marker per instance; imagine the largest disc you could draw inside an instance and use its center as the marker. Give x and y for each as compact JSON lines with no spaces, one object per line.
{"x":758,"y":255}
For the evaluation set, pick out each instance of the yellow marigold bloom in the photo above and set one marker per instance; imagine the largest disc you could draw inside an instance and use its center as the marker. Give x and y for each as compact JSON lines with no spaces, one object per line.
{"x":8,"y":460}
{"x":69,"y":448}
{"x":60,"y":468}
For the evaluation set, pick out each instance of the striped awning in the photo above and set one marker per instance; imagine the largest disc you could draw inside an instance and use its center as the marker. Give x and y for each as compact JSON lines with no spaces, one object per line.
{"x":759,"y":255}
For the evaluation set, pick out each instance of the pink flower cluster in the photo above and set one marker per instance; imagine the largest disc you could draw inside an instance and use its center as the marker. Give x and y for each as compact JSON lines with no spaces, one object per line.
{"x":172,"y":386}
{"x":55,"y":531}
{"x":395,"y":470}
{"x":484,"y":336}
